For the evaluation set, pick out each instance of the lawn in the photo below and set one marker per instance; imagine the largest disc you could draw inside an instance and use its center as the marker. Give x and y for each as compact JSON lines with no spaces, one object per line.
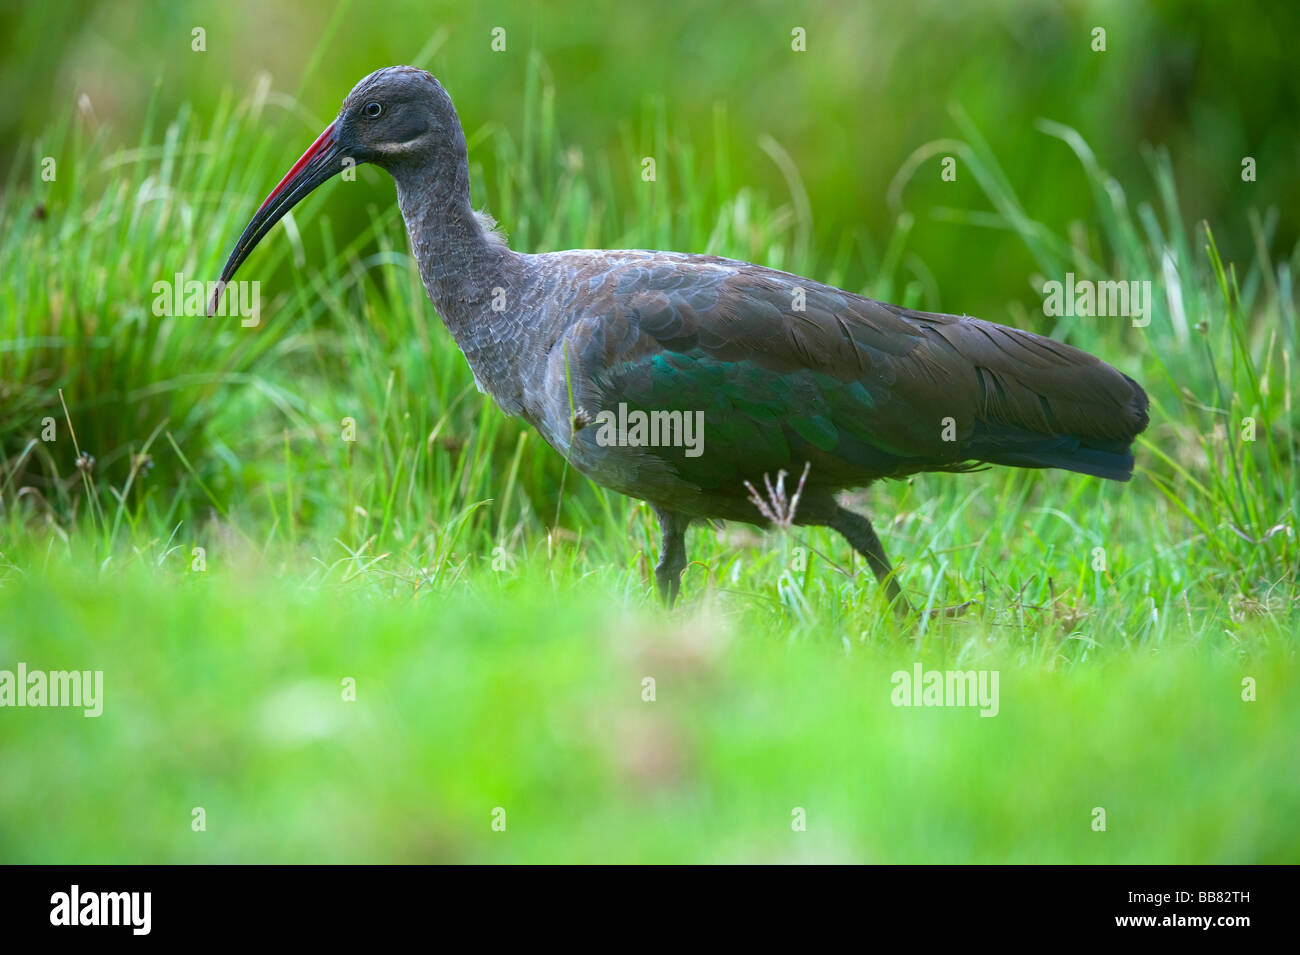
{"x":227,"y":692}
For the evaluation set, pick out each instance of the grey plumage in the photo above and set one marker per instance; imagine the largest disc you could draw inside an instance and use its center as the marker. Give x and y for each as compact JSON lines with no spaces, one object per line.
{"x":785,"y":370}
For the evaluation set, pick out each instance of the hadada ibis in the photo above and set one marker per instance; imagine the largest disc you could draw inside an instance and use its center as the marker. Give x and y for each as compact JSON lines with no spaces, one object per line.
{"x":788,"y":374}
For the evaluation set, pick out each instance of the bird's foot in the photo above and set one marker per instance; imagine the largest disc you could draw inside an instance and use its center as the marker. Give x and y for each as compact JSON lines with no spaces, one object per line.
{"x":905,"y":608}
{"x":956,"y":610}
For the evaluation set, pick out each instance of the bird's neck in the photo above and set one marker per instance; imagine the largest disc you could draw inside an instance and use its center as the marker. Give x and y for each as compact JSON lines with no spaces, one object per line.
{"x":458,"y":264}
{"x":470,"y":277}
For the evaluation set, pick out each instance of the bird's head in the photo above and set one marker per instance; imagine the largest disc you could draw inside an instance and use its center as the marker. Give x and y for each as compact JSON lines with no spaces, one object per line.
{"x":395,"y":117}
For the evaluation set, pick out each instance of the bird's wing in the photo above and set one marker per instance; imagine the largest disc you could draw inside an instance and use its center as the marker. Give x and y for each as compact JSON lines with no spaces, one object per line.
{"x":784,"y":367}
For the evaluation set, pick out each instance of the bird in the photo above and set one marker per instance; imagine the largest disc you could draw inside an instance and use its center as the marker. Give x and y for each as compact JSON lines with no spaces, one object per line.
{"x":613,"y":356}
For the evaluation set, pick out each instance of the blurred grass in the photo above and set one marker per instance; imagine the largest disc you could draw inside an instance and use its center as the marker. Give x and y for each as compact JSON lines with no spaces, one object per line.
{"x":235,"y":706}
{"x":496,"y":608}
{"x":1211,"y":83}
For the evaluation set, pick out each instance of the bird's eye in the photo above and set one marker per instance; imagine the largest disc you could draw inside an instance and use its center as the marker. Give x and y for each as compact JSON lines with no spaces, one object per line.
{"x":372,"y":110}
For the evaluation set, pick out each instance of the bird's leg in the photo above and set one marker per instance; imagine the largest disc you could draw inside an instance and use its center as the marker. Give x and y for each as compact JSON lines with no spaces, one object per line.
{"x":672,"y":553}
{"x":857,"y":530}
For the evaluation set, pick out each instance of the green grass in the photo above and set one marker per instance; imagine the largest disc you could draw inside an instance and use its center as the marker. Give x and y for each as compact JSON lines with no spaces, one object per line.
{"x":496,"y":609}
{"x":226,"y":695}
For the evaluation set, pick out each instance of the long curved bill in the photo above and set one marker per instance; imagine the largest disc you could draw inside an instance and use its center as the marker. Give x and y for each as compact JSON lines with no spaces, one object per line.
{"x":322,"y":160}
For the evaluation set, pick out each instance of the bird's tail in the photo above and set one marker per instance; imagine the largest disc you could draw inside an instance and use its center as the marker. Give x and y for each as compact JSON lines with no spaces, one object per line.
{"x":1040,"y":403}
{"x":1102,"y":448}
